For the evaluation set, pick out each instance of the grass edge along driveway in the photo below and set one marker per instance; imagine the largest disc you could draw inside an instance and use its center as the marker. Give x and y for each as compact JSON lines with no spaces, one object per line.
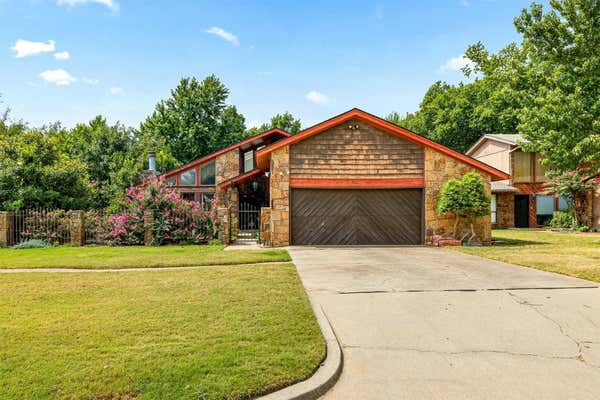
{"x":215,"y":333}
{"x":573,"y":254}
{"x":134,"y":257}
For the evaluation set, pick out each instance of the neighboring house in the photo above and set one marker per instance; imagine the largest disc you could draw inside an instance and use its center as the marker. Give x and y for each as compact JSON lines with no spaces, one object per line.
{"x":353,"y":179}
{"x":523,"y":200}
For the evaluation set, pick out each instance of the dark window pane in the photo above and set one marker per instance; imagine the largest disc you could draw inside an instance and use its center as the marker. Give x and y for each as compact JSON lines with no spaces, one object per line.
{"x":207,"y":174}
{"x":190,"y":196}
{"x":171,"y":181}
{"x":207,"y":199}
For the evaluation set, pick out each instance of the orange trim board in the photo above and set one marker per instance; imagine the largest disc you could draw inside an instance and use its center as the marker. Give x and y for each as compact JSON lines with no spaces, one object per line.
{"x":372,"y":183}
{"x":241,"y":178}
{"x":263,"y":156}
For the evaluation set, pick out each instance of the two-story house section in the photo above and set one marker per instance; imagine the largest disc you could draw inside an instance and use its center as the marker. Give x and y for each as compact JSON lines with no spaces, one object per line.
{"x":523,"y":200}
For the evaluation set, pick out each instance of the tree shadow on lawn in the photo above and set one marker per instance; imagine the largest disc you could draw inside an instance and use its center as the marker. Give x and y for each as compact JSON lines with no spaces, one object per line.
{"x":502,"y":242}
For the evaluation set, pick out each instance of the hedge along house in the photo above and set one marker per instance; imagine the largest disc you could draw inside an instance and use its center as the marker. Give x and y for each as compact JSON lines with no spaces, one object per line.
{"x":354,"y":179}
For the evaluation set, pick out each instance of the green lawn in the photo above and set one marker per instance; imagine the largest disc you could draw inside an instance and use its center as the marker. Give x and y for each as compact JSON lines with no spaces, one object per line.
{"x":573,"y":254}
{"x":133,"y":257}
{"x":216,"y":333}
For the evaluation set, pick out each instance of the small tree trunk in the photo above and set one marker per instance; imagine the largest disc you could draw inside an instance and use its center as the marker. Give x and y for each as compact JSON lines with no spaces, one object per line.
{"x":472,"y":232}
{"x":455,"y":226}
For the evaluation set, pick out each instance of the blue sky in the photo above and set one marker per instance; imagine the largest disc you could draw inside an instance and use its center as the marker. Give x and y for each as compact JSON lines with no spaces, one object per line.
{"x":314,"y":59}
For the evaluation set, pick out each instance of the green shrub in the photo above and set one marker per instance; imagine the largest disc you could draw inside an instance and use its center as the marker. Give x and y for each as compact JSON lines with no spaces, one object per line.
{"x":562,"y":219}
{"x":214,"y":242}
{"x":32,"y":244}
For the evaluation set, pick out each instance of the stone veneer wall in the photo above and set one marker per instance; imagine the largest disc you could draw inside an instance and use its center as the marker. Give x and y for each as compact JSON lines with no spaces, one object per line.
{"x":505,"y":210}
{"x":596,"y":208}
{"x":227,"y":166}
{"x":280,"y":197}
{"x":438,"y":169}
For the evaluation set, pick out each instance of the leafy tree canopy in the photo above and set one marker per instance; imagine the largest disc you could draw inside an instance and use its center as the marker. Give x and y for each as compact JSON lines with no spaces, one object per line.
{"x":285,"y":121}
{"x":193,"y":122}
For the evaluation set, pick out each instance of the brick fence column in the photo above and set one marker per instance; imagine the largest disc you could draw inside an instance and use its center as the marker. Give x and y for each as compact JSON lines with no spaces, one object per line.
{"x":224,"y":222}
{"x":148,"y":227}
{"x":77,"y":228}
{"x":7,"y":219}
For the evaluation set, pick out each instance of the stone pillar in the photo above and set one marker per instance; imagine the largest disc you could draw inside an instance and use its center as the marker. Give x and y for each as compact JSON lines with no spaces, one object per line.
{"x":148,"y":227}
{"x":224,"y":225}
{"x":280,"y":199}
{"x":7,"y":219}
{"x":77,"y":228}
{"x":265,"y":226}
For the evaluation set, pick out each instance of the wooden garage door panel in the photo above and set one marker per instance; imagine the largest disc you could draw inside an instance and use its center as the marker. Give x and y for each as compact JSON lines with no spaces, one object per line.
{"x":347,"y":217}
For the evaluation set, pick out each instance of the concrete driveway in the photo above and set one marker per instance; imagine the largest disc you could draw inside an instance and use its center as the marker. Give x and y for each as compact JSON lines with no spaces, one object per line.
{"x":426,"y":323}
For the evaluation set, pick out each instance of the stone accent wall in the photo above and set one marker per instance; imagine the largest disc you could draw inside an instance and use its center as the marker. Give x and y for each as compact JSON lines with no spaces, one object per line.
{"x":365,"y":152}
{"x":280,"y":197}
{"x":7,"y":219}
{"x":438,"y":169}
{"x":505,"y":210}
{"x":227,"y":166}
{"x":265,"y":226}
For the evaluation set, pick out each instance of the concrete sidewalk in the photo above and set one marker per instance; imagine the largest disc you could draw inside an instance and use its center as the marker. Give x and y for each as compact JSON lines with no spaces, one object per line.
{"x":424,"y":323}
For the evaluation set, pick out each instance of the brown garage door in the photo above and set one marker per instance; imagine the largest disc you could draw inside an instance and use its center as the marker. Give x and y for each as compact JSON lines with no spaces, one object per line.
{"x":356,"y":217}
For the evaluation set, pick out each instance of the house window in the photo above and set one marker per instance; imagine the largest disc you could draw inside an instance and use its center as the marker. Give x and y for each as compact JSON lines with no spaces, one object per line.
{"x":522,"y":165}
{"x":544,"y":208}
{"x":248,"y":161}
{"x":207,"y":199}
{"x":540,"y":170}
{"x":188,"y":178}
{"x":564,"y":203}
{"x":190,"y":196}
{"x":494,"y":208}
{"x":207,"y":174}
{"x":171,"y":181}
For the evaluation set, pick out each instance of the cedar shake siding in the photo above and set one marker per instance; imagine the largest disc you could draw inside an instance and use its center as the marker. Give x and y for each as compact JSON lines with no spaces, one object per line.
{"x":365,"y":152}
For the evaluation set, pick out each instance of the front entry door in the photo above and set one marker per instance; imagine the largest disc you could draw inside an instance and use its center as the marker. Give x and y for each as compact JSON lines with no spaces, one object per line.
{"x":521,"y":211}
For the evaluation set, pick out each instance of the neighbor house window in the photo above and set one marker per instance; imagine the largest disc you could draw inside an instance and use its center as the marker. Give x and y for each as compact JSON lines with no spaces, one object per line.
{"x":190,"y":196}
{"x":494,"y":208}
{"x":207,"y":174}
{"x":564,"y":203}
{"x":188,"y":178}
{"x":248,"y":161}
{"x":540,"y":170}
{"x":171,"y":181}
{"x":522,"y":165}
{"x":544,"y":208}
{"x":207,"y":199}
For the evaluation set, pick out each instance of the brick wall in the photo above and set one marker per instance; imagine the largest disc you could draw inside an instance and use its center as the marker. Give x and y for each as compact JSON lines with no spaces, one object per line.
{"x":365,"y":152}
{"x":505,"y":210}
{"x":438,"y":169}
{"x":280,"y":197}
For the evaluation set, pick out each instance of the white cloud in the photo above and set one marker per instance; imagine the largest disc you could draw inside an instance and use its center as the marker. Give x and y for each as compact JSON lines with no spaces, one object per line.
{"x":223,"y":34}
{"x":111,"y":4}
{"x":89,"y":81}
{"x":62,"y":55}
{"x":24,"y":48}
{"x":315,"y":97}
{"x":59,"y":77}
{"x":115,"y":90}
{"x":455,"y":64}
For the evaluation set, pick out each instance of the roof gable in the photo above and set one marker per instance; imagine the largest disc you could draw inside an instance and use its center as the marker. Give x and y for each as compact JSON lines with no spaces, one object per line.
{"x":263,"y":155}
{"x":506,"y":138}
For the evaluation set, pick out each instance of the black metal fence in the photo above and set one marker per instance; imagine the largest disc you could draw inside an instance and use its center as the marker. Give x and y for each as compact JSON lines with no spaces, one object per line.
{"x":50,"y":225}
{"x":249,"y":217}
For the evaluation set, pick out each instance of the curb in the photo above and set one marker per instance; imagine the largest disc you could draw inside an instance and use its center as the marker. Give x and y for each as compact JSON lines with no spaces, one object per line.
{"x":325,"y":376}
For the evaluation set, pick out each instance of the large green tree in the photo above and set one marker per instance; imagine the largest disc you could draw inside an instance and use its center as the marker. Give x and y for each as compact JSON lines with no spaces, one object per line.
{"x":285,"y":121}
{"x":194,"y":121}
{"x":108,"y":152}
{"x":35,"y":173}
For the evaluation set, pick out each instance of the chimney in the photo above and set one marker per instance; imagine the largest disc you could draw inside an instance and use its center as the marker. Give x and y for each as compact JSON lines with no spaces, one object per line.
{"x":151,"y":161}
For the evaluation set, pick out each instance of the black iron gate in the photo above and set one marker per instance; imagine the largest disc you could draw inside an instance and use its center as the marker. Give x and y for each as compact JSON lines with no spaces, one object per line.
{"x":249,"y":217}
